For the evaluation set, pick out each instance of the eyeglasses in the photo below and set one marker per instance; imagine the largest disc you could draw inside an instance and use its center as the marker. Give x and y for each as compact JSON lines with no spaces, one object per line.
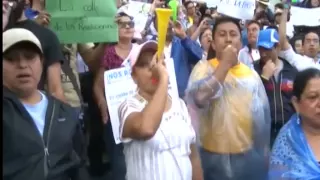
{"x":127,"y":24}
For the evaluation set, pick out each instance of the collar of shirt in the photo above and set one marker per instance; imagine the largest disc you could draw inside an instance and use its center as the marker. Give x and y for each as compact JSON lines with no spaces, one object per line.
{"x":316,"y":62}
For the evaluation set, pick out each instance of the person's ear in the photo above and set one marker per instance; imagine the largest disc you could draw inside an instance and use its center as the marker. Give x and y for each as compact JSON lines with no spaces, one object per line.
{"x":294,"y":101}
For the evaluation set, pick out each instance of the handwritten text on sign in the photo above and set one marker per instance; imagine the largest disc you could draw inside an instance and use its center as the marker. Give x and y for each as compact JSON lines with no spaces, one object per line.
{"x":240,"y":9}
{"x":82,"y":21}
{"x":119,"y":86}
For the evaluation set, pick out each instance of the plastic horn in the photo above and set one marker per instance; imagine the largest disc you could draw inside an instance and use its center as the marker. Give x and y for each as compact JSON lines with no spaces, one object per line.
{"x":163,"y":17}
{"x":173,"y":4}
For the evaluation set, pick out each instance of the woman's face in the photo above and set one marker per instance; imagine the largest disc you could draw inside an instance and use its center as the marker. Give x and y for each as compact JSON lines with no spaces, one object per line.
{"x":126,"y":27}
{"x":22,"y":68}
{"x":315,"y":3}
{"x":143,"y":74}
{"x":206,"y":39}
{"x":298,"y":46}
{"x":309,"y":104}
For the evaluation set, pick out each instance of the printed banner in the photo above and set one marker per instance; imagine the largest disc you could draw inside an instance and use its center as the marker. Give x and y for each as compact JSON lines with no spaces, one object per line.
{"x":83,"y":21}
{"x":240,"y":9}
{"x":299,"y":15}
{"x":119,"y":86}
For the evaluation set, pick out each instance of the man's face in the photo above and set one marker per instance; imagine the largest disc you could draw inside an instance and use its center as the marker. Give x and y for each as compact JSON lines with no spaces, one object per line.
{"x":311,"y":44}
{"x":226,"y":34}
{"x":253,"y":31}
{"x":22,"y":68}
{"x":268,"y":54}
{"x":191,"y":9}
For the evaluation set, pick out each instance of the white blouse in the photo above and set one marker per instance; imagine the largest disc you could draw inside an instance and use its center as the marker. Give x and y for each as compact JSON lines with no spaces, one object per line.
{"x":166,"y":155}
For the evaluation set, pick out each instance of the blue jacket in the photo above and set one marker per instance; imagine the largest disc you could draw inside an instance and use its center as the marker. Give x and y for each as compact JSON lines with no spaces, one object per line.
{"x":184,"y":53}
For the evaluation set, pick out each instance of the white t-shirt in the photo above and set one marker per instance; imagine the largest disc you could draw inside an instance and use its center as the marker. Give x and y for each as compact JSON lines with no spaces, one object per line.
{"x":298,"y":61}
{"x":166,"y":155}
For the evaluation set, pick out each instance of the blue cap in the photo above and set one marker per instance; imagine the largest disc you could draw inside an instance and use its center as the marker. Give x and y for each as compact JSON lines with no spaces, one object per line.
{"x":268,"y":38}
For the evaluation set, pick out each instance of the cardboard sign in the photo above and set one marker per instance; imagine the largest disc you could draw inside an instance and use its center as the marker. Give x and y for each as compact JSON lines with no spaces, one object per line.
{"x":83,"y":21}
{"x":240,"y":9}
{"x":298,"y":16}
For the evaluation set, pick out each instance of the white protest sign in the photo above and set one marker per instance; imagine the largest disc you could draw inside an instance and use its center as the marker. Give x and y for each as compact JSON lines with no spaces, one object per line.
{"x":305,"y":16}
{"x":139,"y":11}
{"x":119,"y":86}
{"x":240,"y":9}
{"x":209,"y":3}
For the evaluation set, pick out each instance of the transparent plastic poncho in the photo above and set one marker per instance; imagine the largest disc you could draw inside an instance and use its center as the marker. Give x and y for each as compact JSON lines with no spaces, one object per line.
{"x":292,"y":157}
{"x":235,"y":120}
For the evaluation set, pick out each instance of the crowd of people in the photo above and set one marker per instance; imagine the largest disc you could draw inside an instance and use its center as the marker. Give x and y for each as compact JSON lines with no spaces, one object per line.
{"x":248,"y":105}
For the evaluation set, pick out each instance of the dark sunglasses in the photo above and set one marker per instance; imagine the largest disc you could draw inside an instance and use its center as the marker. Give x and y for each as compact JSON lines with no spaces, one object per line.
{"x":128,"y":24}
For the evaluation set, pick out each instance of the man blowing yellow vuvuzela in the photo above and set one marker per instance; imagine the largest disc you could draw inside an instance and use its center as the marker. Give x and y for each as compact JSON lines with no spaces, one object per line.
{"x":233,"y":111}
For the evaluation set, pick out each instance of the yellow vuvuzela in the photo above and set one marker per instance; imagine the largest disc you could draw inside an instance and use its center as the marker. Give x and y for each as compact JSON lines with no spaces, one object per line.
{"x":163,"y":17}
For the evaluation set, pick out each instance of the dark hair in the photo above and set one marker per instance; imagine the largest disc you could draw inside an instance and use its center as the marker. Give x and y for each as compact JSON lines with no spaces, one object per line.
{"x":302,"y":80}
{"x":222,"y":20}
{"x":186,"y":4}
{"x":279,"y":5}
{"x":253,"y":22}
{"x":23,"y":45}
{"x":211,"y":53}
{"x":305,"y":35}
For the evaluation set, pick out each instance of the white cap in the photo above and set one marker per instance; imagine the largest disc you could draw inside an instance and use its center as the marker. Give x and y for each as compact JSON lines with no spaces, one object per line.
{"x":136,"y":51}
{"x":16,"y":35}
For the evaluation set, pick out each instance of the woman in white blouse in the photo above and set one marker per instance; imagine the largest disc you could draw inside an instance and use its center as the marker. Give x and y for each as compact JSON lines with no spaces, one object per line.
{"x":159,"y":140}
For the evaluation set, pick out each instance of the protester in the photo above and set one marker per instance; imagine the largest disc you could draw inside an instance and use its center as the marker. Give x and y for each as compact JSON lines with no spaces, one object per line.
{"x":153,"y":122}
{"x":310,"y":43}
{"x":297,"y":45}
{"x":296,"y":152}
{"x":41,"y":136}
{"x":249,"y":54}
{"x":53,"y":56}
{"x":205,"y":41}
{"x":115,"y":56}
{"x":277,"y":76}
{"x":233,"y":109}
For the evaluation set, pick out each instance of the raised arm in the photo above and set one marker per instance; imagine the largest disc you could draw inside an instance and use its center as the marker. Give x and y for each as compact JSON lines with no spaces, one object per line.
{"x":144,"y":124}
{"x":287,"y":53}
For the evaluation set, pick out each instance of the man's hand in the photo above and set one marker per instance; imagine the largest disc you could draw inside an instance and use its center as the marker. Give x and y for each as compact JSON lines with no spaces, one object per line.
{"x":268,"y":70}
{"x":230,"y":56}
{"x":6,"y":9}
{"x":204,"y":25}
{"x":179,"y":31}
{"x":43,"y":18}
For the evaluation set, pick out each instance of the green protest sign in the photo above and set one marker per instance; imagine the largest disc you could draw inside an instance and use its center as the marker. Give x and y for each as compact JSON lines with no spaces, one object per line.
{"x":82,"y":21}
